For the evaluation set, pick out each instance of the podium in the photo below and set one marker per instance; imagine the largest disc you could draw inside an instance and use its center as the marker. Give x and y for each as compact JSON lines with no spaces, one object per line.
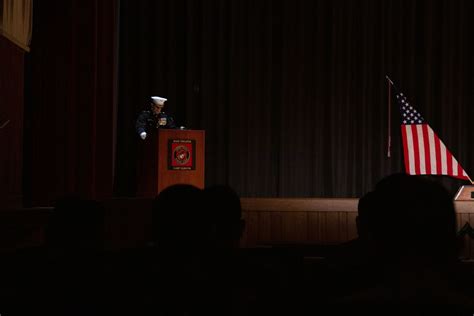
{"x":170,"y":156}
{"x":465,"y":193}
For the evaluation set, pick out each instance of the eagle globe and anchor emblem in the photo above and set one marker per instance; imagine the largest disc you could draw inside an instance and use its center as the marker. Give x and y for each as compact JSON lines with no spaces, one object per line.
{"x":181,"y":154}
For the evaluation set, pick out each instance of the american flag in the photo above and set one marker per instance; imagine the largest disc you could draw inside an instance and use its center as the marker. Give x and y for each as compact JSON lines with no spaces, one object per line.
{"x":424,"y":152}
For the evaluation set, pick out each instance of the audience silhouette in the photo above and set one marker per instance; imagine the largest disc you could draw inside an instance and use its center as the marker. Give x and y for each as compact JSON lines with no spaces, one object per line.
{"x":227,"y":278}
{"x":407,"y":226}
{"x":225,"y":209}
{"x":404,"y":260}
{"x":180,"y":220}
{"x":182,"y":235}
{"x":65,"y":278}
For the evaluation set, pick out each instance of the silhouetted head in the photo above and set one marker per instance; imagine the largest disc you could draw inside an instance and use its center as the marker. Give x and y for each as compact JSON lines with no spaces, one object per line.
{"x":179,"y":219}
{"x":364,"y":209}
{"x":76,"y":224}
{"x":226,"y":213}
{"x":413,"y":216}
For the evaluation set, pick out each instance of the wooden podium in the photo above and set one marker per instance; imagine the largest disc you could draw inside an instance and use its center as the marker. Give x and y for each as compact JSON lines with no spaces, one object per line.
{"x":170,"y":156}
{"x":465,"y":193}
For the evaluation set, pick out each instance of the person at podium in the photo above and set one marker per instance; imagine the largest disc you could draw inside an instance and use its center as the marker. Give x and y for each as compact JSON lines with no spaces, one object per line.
{"x":153,"y":118}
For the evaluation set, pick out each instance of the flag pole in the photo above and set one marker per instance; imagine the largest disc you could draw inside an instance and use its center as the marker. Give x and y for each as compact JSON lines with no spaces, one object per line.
{"x":389,"y":80}
{"x":389,"y":140}
{"x":470,"y":179}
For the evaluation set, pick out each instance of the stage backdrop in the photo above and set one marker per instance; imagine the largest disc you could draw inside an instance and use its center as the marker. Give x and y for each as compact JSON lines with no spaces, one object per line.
{"x":70,"y":100}
{"x":11,"y":122}
{"x":292,"y":93}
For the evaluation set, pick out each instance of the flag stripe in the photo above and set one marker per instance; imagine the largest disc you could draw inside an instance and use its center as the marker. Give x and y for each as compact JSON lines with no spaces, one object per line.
{"x":449,"y":162}
{"x":421,"y":148}
{"x":416,"y":150}
{"x":406,"y":151}
{"x":434,"y":164}
{"x":444,"y":169}
{"x":439,"y":163}
{"x":426,"y":144}
{"x":455,"y":165}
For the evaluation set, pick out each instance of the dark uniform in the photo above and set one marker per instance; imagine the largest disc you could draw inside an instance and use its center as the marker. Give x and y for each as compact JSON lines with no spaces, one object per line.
{"x":147,"y":121}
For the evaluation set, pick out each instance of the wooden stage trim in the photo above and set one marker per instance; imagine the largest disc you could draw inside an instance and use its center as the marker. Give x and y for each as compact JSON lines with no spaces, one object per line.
{"x":299,"y":205}
{"x":465,"y":207}
{"x":320,"y":205}
{"x":272,"y":221}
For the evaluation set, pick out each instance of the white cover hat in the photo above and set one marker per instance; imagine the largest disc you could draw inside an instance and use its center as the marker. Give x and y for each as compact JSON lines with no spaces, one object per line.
{"x":158,"y":100}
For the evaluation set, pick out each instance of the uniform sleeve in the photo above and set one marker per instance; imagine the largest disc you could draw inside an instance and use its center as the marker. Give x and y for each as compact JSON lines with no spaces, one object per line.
{"x":141,"y":123}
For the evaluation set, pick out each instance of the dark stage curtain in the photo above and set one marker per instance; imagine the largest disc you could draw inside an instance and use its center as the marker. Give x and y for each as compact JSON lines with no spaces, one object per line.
{"x":292,"y":94}
{"x":70,"y":104}
{"x":11,"y":123}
